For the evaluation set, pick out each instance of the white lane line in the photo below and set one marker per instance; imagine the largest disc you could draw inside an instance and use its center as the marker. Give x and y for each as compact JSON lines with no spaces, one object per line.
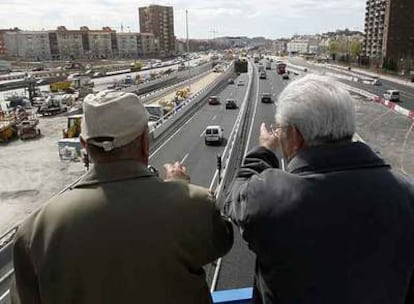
{"x":202,"y":134}
{"x":214,"y":117}
{"x":171,"y":137}
{"x":184,"y":158}
{"x":213,"y":181}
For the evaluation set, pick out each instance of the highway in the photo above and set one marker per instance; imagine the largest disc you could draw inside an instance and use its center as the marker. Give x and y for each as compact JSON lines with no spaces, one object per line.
{"x":237,"y":268}
{"x":406,"y":92}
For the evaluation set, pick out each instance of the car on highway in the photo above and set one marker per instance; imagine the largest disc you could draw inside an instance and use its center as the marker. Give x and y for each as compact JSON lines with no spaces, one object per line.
{"x":263,"y":75}
{"x":285,"y":76}
{"x":214,"y":100}
{"x":230,"y":81}
{"x":213,"y":135}
{"x":392,"y":95}
{"x":266,"y":98}
{"x":231,"y":104}
{"x":376,"y":82}
{"x":240,"y":83}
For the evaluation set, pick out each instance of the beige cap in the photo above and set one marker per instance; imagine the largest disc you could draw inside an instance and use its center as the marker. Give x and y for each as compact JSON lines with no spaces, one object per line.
{"x":118,"y":116}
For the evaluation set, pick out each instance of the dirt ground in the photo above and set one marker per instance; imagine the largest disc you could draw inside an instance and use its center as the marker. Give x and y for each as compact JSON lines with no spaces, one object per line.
{"x":31,"y":172}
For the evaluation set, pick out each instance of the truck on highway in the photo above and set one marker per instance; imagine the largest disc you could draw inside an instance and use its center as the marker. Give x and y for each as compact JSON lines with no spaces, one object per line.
{"x":261,"y":67}
{"x":281,"y":68}
{"x":268,"y":65}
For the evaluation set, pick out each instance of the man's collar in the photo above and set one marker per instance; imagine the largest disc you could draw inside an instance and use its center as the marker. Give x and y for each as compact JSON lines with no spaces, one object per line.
{"x":334,"y":157}
{"x":113,"y":171}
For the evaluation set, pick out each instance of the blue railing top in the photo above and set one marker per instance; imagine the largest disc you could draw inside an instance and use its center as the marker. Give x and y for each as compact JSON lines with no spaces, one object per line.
{"x":233,"y":296}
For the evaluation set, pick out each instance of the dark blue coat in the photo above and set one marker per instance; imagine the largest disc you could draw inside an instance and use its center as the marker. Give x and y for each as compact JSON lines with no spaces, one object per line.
{"x":336,"y":227}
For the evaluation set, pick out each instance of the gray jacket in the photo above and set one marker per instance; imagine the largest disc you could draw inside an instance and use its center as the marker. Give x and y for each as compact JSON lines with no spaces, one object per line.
{"x":121,"y":235}
{"x":336,"y":227}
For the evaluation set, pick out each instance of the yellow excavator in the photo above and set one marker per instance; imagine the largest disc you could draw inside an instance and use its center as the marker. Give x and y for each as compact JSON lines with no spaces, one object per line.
{"x":182,"y":93}
{"x":73,"y":129}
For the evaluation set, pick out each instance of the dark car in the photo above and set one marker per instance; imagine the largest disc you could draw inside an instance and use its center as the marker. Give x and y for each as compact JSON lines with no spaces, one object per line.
{"x":266,"y":98}
{"x":231,"y":104}
{"x":213,"y":100}
{"x":263,"y":75}
{"x":230,"y":81}
{"x":285,"y":76}
{"x":37,"y":69}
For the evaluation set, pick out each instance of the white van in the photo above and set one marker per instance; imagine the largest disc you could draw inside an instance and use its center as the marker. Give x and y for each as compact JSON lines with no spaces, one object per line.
{"x":392,"y":95}
{"x":213,"y":134}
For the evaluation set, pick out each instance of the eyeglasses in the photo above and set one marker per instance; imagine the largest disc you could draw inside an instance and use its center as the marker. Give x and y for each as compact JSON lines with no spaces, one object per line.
{"x":274,"y":129}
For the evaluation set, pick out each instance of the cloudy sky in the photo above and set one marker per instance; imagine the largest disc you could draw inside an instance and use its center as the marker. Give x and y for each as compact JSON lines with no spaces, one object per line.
{"x":269,"y":18}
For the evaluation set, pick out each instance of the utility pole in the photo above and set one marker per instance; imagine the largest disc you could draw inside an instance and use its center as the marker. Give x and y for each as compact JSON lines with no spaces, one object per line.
{"x":186,"y":26}
{"x":214,"y":33}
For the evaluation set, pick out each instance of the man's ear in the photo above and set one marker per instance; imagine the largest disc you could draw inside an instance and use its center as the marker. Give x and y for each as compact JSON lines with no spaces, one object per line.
{"x":84,"y":144}
{"x":298,"y":140}
{"x":145,"y":144}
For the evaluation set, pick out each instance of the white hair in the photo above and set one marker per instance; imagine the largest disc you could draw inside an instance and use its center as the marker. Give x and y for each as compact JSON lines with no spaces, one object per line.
{"x":319,"y":108}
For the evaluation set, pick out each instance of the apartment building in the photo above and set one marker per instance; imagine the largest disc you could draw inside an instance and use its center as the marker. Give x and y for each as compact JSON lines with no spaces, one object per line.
{"x":159,"y":21}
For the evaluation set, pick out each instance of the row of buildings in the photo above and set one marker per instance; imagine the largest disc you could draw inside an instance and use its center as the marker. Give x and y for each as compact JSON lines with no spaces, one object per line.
{"x":64,"y":44}
{"x":156,"y":38}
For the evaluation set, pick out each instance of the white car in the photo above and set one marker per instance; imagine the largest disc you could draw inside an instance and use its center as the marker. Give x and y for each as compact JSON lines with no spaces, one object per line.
{"x":213,"y":134}
{"x":392,"y":95}
{"x":240,"y":83}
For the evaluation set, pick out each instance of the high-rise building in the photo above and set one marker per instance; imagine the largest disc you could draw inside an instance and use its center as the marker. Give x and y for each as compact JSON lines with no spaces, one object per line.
{"x":159,"y":20}
{"x":389,"y":31}
{"x":374,"y":28}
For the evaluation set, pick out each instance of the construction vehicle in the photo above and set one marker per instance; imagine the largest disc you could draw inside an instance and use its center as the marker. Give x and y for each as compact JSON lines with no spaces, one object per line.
{"x":27,"y":128}
{"x":7,"y":126}
{"x":182,"y":93}
{"x":60,"y":86}
{"x":69,"y":146}
{"x":136,"y":66}
{"x":52,"y":106}
{"x":73,"y":129}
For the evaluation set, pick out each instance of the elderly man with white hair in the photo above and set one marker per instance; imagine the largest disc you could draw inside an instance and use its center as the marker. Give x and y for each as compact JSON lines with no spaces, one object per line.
{"x":337,"y":226}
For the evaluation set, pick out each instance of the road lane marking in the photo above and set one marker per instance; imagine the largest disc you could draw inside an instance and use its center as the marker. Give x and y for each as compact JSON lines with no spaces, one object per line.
{"x":214,"y":117}
{"x":172,"y":136}
{"x":184,"y":158}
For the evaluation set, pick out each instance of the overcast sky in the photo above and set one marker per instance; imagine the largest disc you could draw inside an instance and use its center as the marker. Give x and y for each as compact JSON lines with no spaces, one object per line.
{"x":269,"y":18}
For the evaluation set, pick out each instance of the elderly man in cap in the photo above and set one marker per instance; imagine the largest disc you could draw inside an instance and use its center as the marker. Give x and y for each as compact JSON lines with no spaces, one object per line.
{"x":337,"y":226}
{"x":121,"y":234}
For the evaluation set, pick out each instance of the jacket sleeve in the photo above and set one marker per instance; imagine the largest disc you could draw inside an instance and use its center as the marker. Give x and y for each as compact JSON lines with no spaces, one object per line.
{"x":211,"y":234}
{"x":25,"y":287}
{"x":255,"y":162}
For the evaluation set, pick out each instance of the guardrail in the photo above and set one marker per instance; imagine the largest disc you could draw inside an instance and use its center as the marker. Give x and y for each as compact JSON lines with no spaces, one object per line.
{"x":162,"y":91}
